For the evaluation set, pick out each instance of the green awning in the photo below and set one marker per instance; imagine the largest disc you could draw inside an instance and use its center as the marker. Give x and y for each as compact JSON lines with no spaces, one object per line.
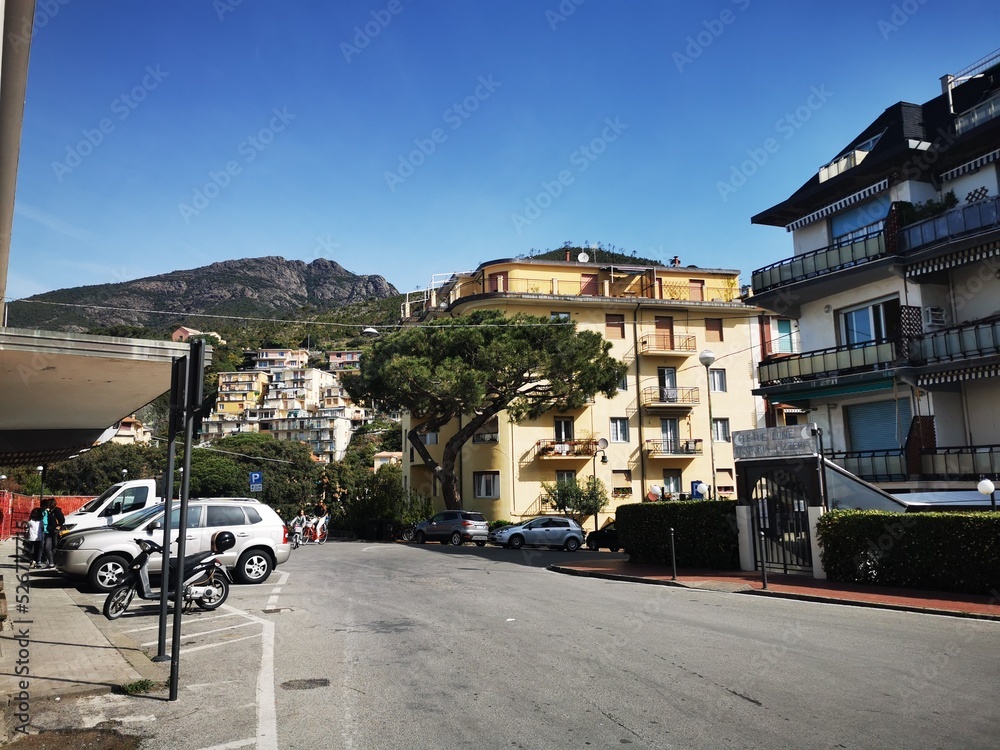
{"x":833,"y":390}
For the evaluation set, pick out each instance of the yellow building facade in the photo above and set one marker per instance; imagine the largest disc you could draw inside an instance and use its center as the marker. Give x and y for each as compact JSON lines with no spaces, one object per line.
{"x":654,"y":436}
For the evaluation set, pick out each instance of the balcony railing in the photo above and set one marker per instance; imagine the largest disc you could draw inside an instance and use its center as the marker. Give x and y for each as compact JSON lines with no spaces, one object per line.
{"x":565,"y":448}
{"x":975,"y":339}
{"x":968,"y":462}
{"x":970,"y":219}
{"x":874,"y":466}
{"x":674,"y":447}
{"x":604,"y":286}
{"x":840,"y":360}
{"x":818,"y":262}
{"x":667,"y":343}
{"x":656,"y":396}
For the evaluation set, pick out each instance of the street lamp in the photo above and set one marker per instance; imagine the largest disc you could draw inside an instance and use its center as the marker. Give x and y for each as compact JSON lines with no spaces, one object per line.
{"x":986,"y":487}
{"x":124,"y":474}
{"x":41,"y":484}
{"x":707,"y":358}
{"x":601,"y":445}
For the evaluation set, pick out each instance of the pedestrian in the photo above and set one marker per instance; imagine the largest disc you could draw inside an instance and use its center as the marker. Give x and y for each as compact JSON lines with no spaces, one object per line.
{"x":52,"y":521}
{"x":34,"y":535}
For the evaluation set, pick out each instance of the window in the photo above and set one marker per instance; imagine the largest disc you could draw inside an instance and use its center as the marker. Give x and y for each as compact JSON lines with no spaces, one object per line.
{"x":784,"y":342}
{"x":225,"y":515}
{"x":623,"y":383}
{"x":619,"y":429}
{"x":486,"y":484}
{"x":671,"y":482}
{"x":718,"y":380}
{"x":614,"y":326}
{"x":559,"y":317}
{"x":871,"y":323}
{"x":713,"y":329}
{"x":430,"y":438}
{"x":563,"y":429}
{"x":720,"y":430}
{"x":566,"y":476}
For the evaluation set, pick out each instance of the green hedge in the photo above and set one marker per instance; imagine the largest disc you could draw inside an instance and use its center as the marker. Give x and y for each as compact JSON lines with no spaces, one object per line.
{"x":704,"y":533}
{"x":941,"y":551}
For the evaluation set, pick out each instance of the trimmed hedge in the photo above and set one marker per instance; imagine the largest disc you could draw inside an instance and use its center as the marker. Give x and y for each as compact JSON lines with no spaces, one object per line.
{"x":941,"y":551}
{"x":704,"y":533}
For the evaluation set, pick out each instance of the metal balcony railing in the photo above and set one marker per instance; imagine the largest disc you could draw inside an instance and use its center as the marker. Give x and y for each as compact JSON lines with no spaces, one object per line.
{"x":970,"y":219}
{"x":667,"y":343}
{"x":974,"y":339}
{"x":565,"y":448}
{"x":818,"y":262}
{"x":963,"y":462}
{"x":839,"y":360}
{"x":674,"y":447}
{"x":874,"y":465}
{"x":655,"y":396}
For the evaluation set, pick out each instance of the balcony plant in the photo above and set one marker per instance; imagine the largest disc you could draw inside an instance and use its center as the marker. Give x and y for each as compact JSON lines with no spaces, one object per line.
{"x":911,"y":213}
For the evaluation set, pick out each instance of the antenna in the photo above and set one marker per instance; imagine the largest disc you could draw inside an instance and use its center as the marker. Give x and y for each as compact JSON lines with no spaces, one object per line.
{"x":602,"y":443}
{"x":583,"y":258}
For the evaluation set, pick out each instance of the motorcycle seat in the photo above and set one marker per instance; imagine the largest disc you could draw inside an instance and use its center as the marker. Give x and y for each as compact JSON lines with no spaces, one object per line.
{"x":190,"y":560}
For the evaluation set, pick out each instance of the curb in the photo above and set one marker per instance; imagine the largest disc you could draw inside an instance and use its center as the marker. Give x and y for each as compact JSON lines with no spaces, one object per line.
{"x":780,"y":595}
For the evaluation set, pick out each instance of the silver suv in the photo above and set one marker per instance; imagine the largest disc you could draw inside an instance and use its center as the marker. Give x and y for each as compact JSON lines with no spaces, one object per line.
{"x":453,"y":527}
{"x":545,"y":531}
{"x":102,"y":555}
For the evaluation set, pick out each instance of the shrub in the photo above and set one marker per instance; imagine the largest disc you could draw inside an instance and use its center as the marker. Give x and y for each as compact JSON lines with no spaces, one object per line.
{"x":944,"y":551}
{"x":499,"y":523}
{"x":704,"y":533}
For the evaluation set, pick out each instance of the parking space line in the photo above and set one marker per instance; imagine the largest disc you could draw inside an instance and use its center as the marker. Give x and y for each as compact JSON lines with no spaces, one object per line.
{"x":188,"y":636}
{"x":184,"y":620}
{"x":272,"y":602}
{"x":192,"y":649}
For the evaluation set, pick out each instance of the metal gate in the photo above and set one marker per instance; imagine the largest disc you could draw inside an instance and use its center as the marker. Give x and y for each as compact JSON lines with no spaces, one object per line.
{"x":779,"y":503}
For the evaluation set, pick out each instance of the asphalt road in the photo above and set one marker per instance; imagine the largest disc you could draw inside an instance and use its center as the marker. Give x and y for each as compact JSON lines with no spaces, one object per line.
{"x":403,"y":646}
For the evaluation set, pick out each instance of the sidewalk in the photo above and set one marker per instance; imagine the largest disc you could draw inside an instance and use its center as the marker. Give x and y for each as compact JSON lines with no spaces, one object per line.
{"x":53,"y":635}
{"x":792,"y":587}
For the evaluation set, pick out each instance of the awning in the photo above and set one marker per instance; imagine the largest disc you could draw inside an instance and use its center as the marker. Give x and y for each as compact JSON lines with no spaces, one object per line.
{"x":821,"y":392}
{"x":832,"y":208}
{"x":958,"y":375}
{"x":970,"y":166}
{"x":959,"y":258}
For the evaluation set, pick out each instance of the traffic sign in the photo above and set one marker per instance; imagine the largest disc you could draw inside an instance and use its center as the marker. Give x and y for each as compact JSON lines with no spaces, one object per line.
{"x":256,"y":481}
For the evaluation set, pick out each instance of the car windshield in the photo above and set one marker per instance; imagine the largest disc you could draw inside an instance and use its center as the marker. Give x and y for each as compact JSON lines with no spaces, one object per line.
{"x":134,"y":520}
{"x":96,"y":503}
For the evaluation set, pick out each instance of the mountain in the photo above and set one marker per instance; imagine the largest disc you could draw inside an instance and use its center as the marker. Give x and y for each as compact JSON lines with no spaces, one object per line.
{"x":250,"y":287}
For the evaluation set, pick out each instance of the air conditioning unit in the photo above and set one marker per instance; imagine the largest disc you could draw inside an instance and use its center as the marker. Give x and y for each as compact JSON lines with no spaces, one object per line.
{"x":935,"y":317}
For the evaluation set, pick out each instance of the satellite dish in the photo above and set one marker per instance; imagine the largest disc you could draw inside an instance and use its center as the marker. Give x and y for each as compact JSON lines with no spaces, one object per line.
{"x":583,"y":258}
{"x":655,"y":493}
{"x":602,"y":443}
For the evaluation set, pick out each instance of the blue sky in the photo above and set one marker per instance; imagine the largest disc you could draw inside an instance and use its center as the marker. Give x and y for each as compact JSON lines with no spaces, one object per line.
{"x":413,"y":137}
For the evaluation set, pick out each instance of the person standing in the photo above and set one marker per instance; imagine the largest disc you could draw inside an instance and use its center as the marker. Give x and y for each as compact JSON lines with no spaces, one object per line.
{"x":52,"y":521}
{"x":34,"y":535}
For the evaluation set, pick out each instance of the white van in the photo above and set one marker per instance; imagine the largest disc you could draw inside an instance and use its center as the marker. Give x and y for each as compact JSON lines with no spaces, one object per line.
{"x":115,"y":502}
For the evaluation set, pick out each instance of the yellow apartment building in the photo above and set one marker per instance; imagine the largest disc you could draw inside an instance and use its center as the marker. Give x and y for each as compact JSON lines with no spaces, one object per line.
{"x":657,"y":434}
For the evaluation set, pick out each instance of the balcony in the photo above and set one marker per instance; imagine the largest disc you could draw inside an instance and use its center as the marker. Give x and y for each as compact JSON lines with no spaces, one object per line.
{"x":673,"y":448}
{"x":819,"y":262}
{"x":667,"y":344}
{"x":825,"y":363}
{"x":959,"y":222}
{"x":669,"y":399}
{"x":887,"y":465}
{"x":566,"y":449}
{"x":968,"y":463}
{"x":975,"y":339}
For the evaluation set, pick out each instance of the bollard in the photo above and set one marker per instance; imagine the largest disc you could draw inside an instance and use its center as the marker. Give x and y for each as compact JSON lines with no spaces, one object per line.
{"x":673,"y":557}
{"x":763,"y":567}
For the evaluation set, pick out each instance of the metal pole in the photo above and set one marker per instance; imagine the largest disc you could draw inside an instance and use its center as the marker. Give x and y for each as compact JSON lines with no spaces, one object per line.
{"x":993,"y":501}
{"x":673,"y":556}
{"x":711,"y":426}
{"x":763,"y":566}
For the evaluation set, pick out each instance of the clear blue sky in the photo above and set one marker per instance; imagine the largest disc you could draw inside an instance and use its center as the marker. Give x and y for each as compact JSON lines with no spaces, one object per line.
{"x":300,"y":125}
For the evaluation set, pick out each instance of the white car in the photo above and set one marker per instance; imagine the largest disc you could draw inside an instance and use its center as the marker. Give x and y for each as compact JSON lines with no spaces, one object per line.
{"x":545,"y":531}
{"x":102,"y":555}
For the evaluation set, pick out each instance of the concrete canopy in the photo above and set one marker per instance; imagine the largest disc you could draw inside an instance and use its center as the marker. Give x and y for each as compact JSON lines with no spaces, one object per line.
{"x":61,"y":392}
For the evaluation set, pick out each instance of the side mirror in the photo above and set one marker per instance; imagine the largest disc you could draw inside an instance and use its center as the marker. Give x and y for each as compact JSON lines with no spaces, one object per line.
{"x":154,"y":526}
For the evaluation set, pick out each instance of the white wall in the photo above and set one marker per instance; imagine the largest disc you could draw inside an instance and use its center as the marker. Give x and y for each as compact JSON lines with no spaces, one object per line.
{"x":914,"y":192}
{"x":818,"y":329}
{"x":811,"y":237}
{"x":976,"y":290}
{"x":949,"y":417}
{"x":984,"y":411}
{"x":983,"y":177}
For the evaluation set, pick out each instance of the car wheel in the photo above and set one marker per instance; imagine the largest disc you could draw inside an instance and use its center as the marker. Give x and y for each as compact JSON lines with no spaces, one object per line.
{"x":592,"y":545}
{"x":407,"y":535}
{"x":572,"y":544}
{"x":108,"y":572}
{"x":420,"y":537}
{"x":254,"y":566}
{"x":456,"y":539}
{"x":516,"y":542}
{"x":480,"y":544}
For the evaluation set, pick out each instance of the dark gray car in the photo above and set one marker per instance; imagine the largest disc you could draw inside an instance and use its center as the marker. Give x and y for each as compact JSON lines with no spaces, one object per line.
{"x":453,"y":527}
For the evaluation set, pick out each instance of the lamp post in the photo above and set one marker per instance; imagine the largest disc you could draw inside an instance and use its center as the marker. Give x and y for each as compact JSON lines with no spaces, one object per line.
{"x":41,"y":484}
{"x":707,"y":358}
{"x":601,"y":445}
{"x":986,"y":487}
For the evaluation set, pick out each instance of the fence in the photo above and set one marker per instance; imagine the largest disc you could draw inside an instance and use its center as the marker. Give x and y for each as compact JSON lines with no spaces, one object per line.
{"x":15,"y":509}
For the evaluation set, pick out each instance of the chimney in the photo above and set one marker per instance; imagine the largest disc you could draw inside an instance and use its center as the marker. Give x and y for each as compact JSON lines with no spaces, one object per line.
{"x":567,"y":254}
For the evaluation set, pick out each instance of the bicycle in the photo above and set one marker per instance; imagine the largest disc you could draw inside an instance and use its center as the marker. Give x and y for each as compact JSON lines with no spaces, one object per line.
{"x":310,"y":535}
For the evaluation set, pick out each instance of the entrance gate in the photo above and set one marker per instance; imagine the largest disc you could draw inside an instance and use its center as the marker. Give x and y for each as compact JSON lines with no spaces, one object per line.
{"x":779,"y":503}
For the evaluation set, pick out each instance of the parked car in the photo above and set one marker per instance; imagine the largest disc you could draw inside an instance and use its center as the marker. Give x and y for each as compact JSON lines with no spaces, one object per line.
{"x":453,"y":527}
{"x":545,"y":531}
{"x":103,"y":555}
{"x":606,"y":537}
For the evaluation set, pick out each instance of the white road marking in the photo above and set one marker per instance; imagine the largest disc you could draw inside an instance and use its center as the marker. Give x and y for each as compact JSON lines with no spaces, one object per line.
{"x":189,"y":636}
{"x":272,"y":602}
{"x":231,"y":745}
{"x":206,"y":618}
{"x":267,"y":719}
{"x":221,"y":643}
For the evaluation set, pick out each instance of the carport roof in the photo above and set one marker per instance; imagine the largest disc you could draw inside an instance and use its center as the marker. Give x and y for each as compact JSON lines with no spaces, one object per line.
{"x":61,"y":392}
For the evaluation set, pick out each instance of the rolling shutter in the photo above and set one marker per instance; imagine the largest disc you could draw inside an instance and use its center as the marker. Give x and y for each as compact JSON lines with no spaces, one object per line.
{"x":874,"y":426}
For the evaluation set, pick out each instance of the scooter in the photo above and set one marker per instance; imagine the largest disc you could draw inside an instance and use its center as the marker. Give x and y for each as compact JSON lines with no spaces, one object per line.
{"x":206,"y":581}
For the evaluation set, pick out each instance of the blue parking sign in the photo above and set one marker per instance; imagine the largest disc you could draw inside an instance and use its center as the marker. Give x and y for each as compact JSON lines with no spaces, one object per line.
{"x":256,"y":481}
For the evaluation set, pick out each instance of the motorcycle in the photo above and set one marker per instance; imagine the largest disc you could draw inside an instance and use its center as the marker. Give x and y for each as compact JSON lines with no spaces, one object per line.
{"x":206,"y":579}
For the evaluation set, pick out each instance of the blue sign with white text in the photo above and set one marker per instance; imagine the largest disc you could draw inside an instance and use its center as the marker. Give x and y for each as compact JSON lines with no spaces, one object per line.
{"x":256,"y":481}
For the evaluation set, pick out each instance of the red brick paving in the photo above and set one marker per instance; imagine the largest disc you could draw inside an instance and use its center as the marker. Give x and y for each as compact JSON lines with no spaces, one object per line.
{"x":793,"y":586}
